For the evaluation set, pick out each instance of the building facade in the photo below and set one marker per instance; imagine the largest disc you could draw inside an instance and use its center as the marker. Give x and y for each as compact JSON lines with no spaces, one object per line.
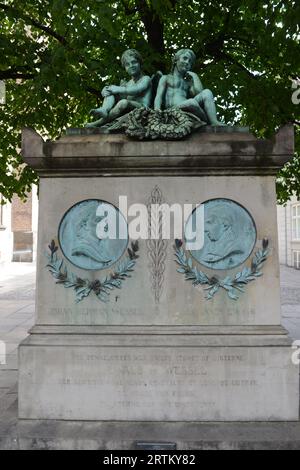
{"x":289,"y":233}
{"x":18,"y":229}
{"x":6,"y":235}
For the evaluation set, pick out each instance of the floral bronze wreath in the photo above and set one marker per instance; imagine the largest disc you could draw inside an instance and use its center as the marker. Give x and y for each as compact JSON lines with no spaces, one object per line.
{"x":173,"y":123}
{"x":83,"y":287}
{"x":231,"y":285}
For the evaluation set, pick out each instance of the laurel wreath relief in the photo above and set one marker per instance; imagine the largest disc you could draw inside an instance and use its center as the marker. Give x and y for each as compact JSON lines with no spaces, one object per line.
{"x":83,"y":287}
{"x":146,"y":123}
{"x":103,"y":288}
{"x":232,"y":285}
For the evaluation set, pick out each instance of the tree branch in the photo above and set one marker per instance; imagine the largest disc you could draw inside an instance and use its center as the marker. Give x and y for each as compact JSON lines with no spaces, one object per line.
{"x":127,"y":9}
{"x":233,"y":61}
{"x":15,"y":74}
{"x":153,"y":25}
{"x":35,"y":23}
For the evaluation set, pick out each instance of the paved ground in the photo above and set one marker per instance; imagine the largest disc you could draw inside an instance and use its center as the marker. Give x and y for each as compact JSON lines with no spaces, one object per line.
{"x":290,"y":300}
{"x":17,"y":291}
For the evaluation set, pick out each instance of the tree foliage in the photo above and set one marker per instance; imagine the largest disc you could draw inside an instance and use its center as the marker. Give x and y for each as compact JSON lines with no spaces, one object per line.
{"x":58,"y":54}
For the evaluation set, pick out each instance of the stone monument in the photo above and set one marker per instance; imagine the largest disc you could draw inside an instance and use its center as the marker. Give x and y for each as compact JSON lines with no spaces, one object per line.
{"x":151,"y":330}
{"x":158,"y":350}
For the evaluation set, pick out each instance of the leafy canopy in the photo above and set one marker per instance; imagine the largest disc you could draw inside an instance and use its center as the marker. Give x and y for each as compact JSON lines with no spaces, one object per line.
{"x":56,"y":55}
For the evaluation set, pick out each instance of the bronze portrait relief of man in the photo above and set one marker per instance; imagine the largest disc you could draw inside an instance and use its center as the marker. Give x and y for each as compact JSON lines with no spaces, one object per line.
{"x":229,"y":235}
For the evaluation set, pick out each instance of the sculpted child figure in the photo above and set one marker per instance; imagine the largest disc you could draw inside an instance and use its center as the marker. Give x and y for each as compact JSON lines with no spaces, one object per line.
{"x":183,"y":89}
{"x":119,"y":100}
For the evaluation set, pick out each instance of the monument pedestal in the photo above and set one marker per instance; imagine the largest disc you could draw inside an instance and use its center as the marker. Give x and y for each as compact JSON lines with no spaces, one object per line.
{"x":158,"y":350}
{"x":158,"y":374}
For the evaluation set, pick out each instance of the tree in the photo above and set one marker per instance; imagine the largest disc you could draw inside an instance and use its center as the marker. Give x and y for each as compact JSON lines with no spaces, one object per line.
{"x":58,"y":54}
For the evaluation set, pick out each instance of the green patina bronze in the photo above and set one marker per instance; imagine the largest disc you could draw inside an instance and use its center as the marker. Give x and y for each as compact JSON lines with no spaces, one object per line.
{"x":181,"y":104}
{"x":233,"y":285}
{"x":78,"y":238}
{"x":229,"y":234}
{"x":183,"y":89}
{"x":119,"y":100}
{"x":83,"y":287}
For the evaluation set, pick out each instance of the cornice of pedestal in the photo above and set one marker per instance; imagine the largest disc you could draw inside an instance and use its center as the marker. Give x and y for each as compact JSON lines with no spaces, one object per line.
{"x":213,"y":151}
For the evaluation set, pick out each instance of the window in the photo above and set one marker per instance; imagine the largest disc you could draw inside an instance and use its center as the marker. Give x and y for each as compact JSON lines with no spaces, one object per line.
{"x":296,"y":259}
{"x":296,"y":222}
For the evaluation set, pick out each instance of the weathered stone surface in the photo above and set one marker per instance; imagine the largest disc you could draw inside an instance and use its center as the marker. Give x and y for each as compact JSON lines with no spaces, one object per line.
{"x":76,"y":435}
{"x":207,"y":153}
{"x":180,"y":303}
{"x":210,"y":129}
{"x":157,"y":378}
{"x":172,"y":355}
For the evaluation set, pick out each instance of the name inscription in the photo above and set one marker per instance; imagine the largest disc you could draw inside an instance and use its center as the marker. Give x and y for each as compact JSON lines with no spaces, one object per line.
{"x":166,"y":373}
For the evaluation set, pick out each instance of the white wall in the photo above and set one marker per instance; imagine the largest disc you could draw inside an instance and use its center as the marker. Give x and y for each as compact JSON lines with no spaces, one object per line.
{"x":6,"y":235}
{"x":35,"y":206}
{"x":281,"y":221}
{"x":286,"y":245}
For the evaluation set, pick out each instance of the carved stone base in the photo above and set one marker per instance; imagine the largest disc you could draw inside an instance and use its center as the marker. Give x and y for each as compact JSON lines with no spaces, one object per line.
{"x":145,"y":375}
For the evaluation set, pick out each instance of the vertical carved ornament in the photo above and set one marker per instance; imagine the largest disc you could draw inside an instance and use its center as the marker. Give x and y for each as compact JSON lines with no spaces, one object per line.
{"x":156,"y":245}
